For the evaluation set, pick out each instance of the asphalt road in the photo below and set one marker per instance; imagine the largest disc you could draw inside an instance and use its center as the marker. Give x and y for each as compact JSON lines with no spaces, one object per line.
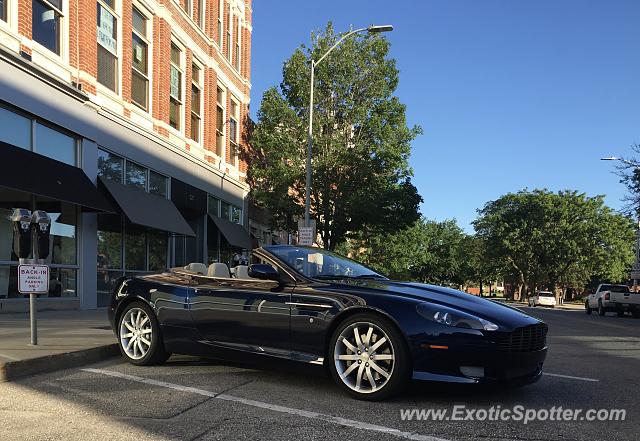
{"x":193,"y":399}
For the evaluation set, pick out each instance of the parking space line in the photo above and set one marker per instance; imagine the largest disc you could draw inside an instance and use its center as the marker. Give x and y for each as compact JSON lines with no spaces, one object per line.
{"x":570,"y":377}
{"x":273,"y":407}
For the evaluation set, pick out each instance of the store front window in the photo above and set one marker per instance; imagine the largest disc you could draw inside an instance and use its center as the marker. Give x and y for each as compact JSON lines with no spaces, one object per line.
{"x":125,"y":248}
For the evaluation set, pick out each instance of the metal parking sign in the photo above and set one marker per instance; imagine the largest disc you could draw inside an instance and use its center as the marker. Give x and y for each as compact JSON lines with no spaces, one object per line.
{"x":33,"y":279}
{"x":305,"y":236}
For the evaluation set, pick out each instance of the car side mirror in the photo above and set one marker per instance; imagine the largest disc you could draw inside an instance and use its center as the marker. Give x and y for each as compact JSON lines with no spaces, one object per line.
{"x":263,"y":272}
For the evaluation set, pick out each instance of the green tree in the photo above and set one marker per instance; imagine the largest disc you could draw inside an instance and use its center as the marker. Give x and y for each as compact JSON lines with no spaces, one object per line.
{"x":427,"y":251}
{"x":361,"y":176}
{"x":556,"y":240}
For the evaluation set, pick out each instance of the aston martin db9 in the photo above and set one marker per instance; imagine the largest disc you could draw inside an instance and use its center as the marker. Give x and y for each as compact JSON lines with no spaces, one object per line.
{"x":313,"y":306}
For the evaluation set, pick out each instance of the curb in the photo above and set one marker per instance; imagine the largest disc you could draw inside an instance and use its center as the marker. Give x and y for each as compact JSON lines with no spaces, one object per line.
{"x":49,"y":363}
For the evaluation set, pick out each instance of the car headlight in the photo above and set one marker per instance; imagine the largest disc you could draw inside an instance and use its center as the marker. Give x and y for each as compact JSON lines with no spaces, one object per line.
{"x":452,"y":317}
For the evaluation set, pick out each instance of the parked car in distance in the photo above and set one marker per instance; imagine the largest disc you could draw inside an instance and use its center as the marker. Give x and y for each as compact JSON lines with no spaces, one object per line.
{"x":613,"y":298}
{"x":543,"y":298}
{"x":372,"y":334}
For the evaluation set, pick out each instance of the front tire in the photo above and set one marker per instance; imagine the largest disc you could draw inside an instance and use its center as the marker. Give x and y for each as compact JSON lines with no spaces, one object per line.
{"x":368,"y":357}
{"x":587,"y":309}
{"x":139,"y":336}
{"x":601,"y":310}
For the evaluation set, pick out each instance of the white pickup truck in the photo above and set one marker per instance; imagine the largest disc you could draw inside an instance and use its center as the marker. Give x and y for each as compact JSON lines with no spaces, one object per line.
{"x":613,"y":298}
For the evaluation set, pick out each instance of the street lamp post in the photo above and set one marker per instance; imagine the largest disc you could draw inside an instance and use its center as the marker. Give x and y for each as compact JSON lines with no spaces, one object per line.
{"x":636,"y":266}
{"x":307,"y":199}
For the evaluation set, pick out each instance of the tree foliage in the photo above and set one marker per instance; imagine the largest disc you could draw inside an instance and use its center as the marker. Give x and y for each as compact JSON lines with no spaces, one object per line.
{"x":551,"y":240}
{"x":427,"y":251}
{"x":629,"y":173}
{"x":361,"y":142}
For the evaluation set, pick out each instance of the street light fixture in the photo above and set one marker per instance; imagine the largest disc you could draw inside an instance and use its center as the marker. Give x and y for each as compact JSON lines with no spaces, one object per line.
{"x":307,"y":201}
{"x":617,"y":158}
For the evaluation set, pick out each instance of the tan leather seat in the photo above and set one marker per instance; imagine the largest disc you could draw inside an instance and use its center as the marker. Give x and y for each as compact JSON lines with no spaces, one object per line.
{"x":196,"y":267}
{"x":218,"y":269}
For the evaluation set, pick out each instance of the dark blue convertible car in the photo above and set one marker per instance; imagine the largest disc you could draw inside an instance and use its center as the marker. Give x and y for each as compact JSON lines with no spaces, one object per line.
{"x":313,"y":306}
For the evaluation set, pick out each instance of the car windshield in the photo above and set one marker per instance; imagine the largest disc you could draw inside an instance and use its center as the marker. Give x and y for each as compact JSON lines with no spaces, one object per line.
{"x":317,"y":263}
{"x":615,"y":288}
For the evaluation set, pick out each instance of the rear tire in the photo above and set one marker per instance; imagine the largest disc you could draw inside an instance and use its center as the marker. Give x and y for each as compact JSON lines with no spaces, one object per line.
{"x":139,"y":335}
{"x":635,"y":313}
{"x":368,"y":357}
{"x":620,"y":313}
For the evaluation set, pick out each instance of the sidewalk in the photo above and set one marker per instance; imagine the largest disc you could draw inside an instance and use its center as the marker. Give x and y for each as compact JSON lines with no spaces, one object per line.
{"x":65,"y":339}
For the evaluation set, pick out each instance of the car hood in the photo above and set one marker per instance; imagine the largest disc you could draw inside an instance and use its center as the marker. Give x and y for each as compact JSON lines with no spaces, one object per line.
{"x":501,"y":314}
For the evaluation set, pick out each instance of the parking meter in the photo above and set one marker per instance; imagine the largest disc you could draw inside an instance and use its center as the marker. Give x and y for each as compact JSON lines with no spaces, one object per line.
{"x":41,"y":230}
{"x":21,"y":219}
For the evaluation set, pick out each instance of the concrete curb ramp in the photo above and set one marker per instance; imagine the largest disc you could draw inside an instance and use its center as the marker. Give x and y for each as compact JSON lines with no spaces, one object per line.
{"x":13,"y":370}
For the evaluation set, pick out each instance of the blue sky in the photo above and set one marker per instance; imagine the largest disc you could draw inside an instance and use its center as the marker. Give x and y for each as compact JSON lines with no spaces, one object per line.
{"x":510,"y":94}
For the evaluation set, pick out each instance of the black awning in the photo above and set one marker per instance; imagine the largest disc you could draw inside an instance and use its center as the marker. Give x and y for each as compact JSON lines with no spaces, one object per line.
{"x":27,"y":171}
{"x":235,"y":234}
{"x":148,"y":210}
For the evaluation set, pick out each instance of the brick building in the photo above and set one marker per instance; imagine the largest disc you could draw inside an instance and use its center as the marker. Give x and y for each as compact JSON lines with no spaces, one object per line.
{"x":148,"y":98}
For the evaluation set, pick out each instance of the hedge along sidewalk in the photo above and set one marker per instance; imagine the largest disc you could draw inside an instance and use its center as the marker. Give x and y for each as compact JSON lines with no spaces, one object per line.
{"x":65,"y":339}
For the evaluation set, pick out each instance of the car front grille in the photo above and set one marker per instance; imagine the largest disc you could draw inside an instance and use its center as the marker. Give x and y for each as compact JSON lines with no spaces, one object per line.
{"x":526,"y":339}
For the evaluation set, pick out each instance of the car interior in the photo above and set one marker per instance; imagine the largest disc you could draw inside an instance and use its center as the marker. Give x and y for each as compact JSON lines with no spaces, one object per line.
{"x":219,"y":270}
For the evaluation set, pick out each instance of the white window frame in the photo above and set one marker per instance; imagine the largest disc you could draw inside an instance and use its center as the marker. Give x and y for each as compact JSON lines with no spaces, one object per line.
{"x":200,"y":86}
{"x":181,"y":68}
{"x":223,"y":105}
{"x":64,"y":31}
{"x":149,"y":41}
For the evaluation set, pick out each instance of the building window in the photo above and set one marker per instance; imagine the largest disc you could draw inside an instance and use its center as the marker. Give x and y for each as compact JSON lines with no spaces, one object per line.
{"x":110,"y":166}
{"x":213,"y":206}
{"x":135,"y":175}
{"x":220,"y":122}
{"x":225,"y":210}
{"x":124,"y":248}
{"x":234,"y":134}
{"x":196,"y":102}
{"x":175,"y":100}
{"x":116,"y":168}
{"x":140,"y":61}
{"x":54,"y":144}
{"x":229,"y":30}
{"x":46,"y":22}
{"x":107,"y":35}
{"x":237,"y":46}
{"x":158,"y":184}
{"x":220,"y":22}
{"x":201,"y":13}
{"x":15,"y":129}
{"x":30,"y":134}
{"x":3,"y":9}
{"x":236,"y":215}
{"x":188,"y":8}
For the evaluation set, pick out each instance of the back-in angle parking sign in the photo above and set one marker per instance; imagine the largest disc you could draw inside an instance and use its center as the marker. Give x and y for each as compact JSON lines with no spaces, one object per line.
{"x":33,"y":279}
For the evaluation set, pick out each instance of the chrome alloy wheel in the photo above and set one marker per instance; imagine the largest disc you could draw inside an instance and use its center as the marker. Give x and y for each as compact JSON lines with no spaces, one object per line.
{"x":135,"y":333}
{"x":364,"y":357}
